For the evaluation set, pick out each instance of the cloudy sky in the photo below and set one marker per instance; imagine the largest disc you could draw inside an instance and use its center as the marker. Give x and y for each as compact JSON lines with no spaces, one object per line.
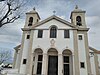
{"x":10,"y":35}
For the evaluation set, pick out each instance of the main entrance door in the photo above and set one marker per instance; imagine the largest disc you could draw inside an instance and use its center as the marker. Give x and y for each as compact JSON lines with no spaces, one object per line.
{"x":53,"y":65}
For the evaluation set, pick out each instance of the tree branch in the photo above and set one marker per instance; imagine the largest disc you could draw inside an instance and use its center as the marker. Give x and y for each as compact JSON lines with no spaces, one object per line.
{"x":11,"y":20}
{"x":4,"y":56}
{"x":9,"y":6}
{"x":12,"y":8}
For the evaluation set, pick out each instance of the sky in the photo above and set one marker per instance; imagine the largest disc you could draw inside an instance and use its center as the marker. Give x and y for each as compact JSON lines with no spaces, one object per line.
{"x":10,"y":34}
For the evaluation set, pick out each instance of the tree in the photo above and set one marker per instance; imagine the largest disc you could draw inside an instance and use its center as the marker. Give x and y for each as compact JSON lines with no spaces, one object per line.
{"x":10,"y":11}
{"x":2,"y":0}
{"x":5,"y":56}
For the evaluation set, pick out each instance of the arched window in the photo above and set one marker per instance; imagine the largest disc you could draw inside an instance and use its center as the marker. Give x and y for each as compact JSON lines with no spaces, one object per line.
{"x":78,"y":21}
{"x":38,"y":60}
{"x":30,"y":21}
{"x":53,"y":32}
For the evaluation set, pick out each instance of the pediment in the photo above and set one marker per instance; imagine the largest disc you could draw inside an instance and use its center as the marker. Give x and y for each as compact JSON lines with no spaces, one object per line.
{"x":94,"y":50}
{"x":54,"y":18}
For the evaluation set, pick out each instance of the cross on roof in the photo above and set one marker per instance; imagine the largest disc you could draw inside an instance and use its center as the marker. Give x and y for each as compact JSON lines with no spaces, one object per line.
{"x":34,"y":8}
{"x":54,"y":12}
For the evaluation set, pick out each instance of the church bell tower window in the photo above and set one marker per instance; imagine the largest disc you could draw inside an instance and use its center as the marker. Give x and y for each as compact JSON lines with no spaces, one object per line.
{"x":30,"y":21}
{"x":78,"y":21}
{"x":80,"y":37}
{"x":28,"y":37}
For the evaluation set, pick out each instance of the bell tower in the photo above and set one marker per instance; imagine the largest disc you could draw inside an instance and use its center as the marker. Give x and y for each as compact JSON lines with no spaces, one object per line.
{"x":81,"y":42}
{"x":32,"y":18}
{"x":78,"y":17}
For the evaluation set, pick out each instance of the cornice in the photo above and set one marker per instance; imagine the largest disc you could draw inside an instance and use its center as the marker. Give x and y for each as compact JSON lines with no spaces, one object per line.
{"x":79,"y":29}
{"x":83,"y":29}
{"x":26,"y":29}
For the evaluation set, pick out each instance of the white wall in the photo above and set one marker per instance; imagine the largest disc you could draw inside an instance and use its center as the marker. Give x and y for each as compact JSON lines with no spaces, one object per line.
{"x":99,"y":62}
{"x":92,"y":61}
{"x":61,"y":43}
{"x":24,"y":54}
{"x":82,"y":55}
{"x":17,"y":60}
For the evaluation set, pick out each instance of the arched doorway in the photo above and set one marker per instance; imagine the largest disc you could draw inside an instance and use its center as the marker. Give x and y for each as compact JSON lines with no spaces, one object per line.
{"x":38,"y":57}
{"x":67,"y":62}
{"x":52,"y":62}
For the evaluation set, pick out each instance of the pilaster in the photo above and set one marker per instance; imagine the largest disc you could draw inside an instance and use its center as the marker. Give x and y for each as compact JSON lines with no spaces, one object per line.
{"x":15,"y":57}
{"x":44,"y":64}
{"x":76,"y":56}
{"x":73,"y":62}
{"x":30,"y":56}
{"x":60,"y":64}
{"x":96,"y":64}
{"x":87,"y":53}
{"x":21,"y":52}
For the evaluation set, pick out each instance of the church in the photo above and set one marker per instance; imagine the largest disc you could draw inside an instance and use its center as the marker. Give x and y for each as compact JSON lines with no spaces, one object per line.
{"x":55,"y":46}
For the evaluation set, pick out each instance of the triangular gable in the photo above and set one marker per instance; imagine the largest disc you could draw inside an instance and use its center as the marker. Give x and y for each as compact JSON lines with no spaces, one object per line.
{"x":57,"y":18}
{"x":17,"y":47}
{"x":94,"y":50}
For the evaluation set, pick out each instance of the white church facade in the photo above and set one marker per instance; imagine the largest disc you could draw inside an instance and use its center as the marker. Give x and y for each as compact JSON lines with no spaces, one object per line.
{"x":55,"y":47}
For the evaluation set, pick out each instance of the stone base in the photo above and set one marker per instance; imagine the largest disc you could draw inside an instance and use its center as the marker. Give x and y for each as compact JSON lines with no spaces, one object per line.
{"x":11,"y":72}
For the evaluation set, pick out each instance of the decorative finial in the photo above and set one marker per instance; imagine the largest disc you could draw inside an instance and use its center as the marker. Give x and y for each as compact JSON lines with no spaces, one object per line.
{"x":76,"y":7}
{"x":34,"y":8}
{"x":54,"y":12}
